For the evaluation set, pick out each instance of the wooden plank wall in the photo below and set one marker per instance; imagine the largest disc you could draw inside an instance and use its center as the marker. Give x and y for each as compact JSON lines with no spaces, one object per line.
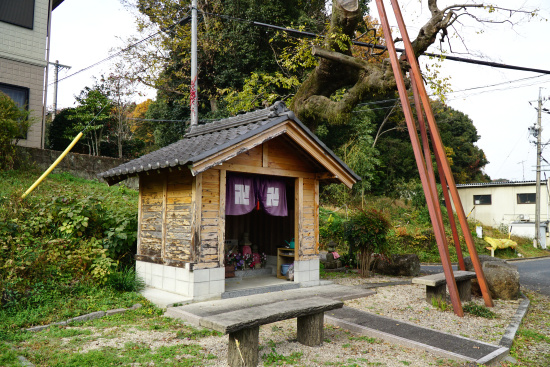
{"x":308,"y":244}
{"x":165,"y":217}
{"x":177,"y":239}
{"x":207,"y":252}
{"x":170,"y":220}
{"x":150,"y":216}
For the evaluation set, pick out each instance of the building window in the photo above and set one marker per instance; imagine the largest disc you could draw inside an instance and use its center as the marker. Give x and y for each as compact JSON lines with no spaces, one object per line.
{"x":17,"y":12}
{"x":20,"y":96}
{"x":527,"y":198}
{"x":482,"y":199}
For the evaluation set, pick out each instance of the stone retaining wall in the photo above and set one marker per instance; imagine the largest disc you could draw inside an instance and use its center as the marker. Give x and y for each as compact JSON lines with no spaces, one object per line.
{"x":80,"y":165}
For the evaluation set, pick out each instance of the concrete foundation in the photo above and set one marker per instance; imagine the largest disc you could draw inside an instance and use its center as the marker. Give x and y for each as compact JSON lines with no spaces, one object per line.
{"x":199,"y":284}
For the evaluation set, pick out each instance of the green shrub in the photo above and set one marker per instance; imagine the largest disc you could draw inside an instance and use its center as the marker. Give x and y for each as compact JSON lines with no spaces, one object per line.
{"x":68,"y":238}
{"x":14,"y":123}
{"x":366,"y":233}
{"x":331,"y":227}
{"x":126,"y":280}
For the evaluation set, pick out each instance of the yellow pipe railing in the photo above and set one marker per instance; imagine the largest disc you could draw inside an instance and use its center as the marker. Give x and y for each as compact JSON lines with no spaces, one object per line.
{"x":54,"y":164}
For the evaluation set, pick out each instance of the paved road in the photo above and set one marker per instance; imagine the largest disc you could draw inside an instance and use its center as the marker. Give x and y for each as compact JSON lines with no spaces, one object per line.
{"x":533,"y":274}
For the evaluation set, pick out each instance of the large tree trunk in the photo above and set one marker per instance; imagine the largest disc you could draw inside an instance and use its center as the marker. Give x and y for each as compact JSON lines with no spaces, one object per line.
{"x":363,"y":80}
{"x":338,"y":69}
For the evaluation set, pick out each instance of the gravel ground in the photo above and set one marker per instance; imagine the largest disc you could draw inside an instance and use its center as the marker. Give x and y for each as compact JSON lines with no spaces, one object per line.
{"x":407,"y":303}
{"x":341,"y":348}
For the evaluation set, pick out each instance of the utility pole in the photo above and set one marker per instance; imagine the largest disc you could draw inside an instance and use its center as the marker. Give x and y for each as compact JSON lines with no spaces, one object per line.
{"x":57,"y":66}
{"x":522,"y":168}
{"x":537,"y":242}
{"x":193,"y":95}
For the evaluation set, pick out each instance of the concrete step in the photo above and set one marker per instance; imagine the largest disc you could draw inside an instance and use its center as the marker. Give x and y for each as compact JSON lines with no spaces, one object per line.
{"x":259,"y":290}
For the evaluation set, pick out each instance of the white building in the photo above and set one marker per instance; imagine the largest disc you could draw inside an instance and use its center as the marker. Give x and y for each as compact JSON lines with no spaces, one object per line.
{"x":508,"y":204}
{"x":24,"y":28}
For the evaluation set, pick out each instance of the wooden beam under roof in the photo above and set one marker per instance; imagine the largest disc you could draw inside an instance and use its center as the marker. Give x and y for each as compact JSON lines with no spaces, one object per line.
{"x":291,"y":130}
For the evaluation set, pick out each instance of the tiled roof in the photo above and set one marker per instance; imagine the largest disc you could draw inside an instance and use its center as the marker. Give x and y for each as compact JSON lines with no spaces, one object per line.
{"x":202,"y":141}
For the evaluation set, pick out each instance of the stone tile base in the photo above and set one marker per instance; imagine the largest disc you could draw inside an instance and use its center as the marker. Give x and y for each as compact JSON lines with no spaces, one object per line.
{"x":306,"y":272}
{"x":199,"y":284}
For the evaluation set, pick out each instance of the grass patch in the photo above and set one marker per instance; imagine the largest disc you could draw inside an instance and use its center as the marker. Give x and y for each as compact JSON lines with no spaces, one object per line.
{"x":132,"y":353}
{"x":274,"y":358}
{"x":440,"y":303}
{"x":366,"y":339}
{"x":479,"y":310}
{"x":62,"y":304}
{"x":534,"y":336}
{"x":194,"y":334}
{"x":532,"y":342}
{"x":64,"y":345}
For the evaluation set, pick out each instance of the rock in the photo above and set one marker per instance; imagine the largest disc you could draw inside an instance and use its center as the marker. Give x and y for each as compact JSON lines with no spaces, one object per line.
{"x":404,"y":265}
{"x":502,"y":277}
{"x":482,"y":259}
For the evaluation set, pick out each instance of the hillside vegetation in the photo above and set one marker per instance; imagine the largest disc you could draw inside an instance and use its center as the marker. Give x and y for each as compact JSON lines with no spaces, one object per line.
{"x":410,"y":230}
{"x":67,"y":249}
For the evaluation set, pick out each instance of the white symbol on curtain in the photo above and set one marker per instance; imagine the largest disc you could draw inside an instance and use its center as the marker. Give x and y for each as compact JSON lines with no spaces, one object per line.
{"x":272,"y":196}
{"x":242,"y":194}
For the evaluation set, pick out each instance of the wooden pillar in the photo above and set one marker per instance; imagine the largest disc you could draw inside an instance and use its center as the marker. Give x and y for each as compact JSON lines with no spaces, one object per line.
{"x":298,"y":214}
{"x":316,"y":215}
{"x":164,"y":210}
{"x":265,"y":155}
{"x":140,"y":213}
{"x":243,"y":347}
{"x":196,"y":217}
{"x":221,"y":219}
{"x":310,"y":329}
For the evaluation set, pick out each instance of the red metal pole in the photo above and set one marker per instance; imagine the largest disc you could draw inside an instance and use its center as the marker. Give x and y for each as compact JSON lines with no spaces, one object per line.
{"x":441,"y":240}
{"x":439,"y":150}
{"x":425,"y":143}
{"x":427,"y":155}
{"x":449,"y":207}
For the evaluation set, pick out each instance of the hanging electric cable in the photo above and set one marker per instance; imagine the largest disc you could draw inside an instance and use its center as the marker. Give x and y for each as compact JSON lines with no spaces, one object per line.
{"x":184,"y":20}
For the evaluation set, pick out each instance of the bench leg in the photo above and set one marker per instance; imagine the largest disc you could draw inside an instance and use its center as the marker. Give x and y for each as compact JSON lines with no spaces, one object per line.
{"x":310,"y":329}
{"x":465,"y":290}
{"x":437,"y":292}
{"x":246,"y":353}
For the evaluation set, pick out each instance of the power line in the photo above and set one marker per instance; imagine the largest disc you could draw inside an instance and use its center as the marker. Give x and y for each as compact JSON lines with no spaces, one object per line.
{"x":156,"y":120}
{"x":380,"y":47}
{"x":184,"y":20}
{"x":457,"y":91}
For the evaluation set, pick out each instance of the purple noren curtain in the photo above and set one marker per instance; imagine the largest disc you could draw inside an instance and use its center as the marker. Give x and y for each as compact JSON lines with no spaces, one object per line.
{"x":243,"y":192}
{"x":272,"y":194}
{"x":240,"y":195}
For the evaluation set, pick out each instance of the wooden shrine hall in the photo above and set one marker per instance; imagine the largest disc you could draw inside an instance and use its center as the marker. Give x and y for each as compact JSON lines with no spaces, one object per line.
{"x":256,"y":175}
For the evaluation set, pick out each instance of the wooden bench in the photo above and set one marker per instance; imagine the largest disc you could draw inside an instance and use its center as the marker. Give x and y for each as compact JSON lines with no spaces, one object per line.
{"x":436,"y":285}
{"x":243,"y":325}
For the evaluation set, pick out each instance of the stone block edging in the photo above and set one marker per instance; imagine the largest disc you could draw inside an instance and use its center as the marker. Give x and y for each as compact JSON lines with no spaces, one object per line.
{"x":87,"y":317}
{"x":510,"y":333}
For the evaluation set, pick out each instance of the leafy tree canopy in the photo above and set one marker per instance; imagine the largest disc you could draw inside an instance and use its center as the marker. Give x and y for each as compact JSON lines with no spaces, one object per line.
{"x":326,"y":81}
